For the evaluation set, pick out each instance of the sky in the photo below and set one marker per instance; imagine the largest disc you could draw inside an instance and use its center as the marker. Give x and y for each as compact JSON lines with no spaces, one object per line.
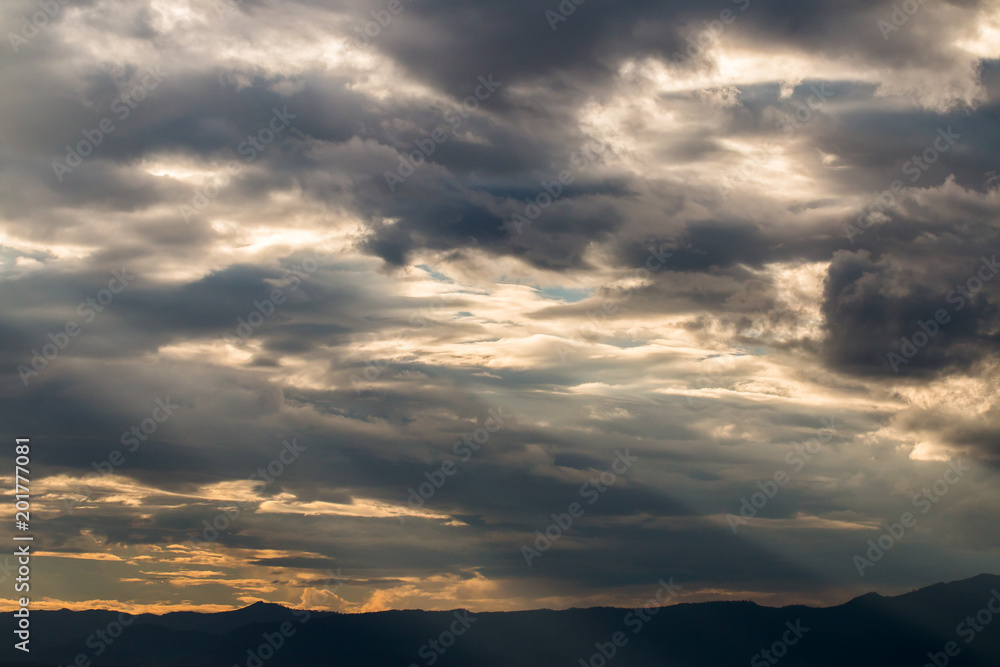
{"x":500,"y":306}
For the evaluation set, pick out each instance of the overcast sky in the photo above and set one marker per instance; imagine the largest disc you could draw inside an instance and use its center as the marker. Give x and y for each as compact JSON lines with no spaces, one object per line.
{"x":689,"y":235}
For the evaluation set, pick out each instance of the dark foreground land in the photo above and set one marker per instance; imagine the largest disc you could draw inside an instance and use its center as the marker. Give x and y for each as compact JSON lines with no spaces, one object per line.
{"x":870,"y":630}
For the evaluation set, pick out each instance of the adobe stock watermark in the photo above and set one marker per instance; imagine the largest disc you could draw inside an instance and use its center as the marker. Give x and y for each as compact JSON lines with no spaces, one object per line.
{"x":788,"y":124}
{"x":635,"y":620}
{"x":534,"y":206}
{"x":263,"y":310}
{"x":138,"y":434}
{"x":253,"y":145}
{"x":705,"y":379}
{"x":566,"y":9}
{"x":8,"y":568}
{"x":925,"y":501}
{"x":381,"y":18}
{"x":968,"y":630}
{"x":709,"y":36}
{"x":373,"y":371}
{"x":40,"y":19}
{"x":432,"y":650}
{"x":272,"y":642}
{"x":464,"y":449}
{"x":223,"y":7}
{"x":265,"y":475}
{"x":930,"y":327}
{"x":779,"y":649}
{"x":130,"y":439}
{"x":375,"y":367}
{"x":655,"y":261}
{"x":88,"y":309}
{"x":915,"y":167}
{"x":900,"y":16}
{"x":425,"y":148}
{"x":122,"y":107}
{"x":797,"y":458}
{"x":428,"y":314}
{"x":103,"y":637}
{"x":592,"y":491}
{"x":331,"y":584}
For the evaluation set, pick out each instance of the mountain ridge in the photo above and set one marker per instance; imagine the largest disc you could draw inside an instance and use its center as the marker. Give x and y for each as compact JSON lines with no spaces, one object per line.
{"x":868,"y":630}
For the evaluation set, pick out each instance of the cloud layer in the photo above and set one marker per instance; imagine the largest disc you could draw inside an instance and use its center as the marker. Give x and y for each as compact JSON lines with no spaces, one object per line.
{"x":713,"y":236}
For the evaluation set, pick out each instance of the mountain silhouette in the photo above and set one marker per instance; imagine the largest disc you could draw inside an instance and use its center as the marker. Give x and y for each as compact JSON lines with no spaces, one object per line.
{"x":918,"y":628}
